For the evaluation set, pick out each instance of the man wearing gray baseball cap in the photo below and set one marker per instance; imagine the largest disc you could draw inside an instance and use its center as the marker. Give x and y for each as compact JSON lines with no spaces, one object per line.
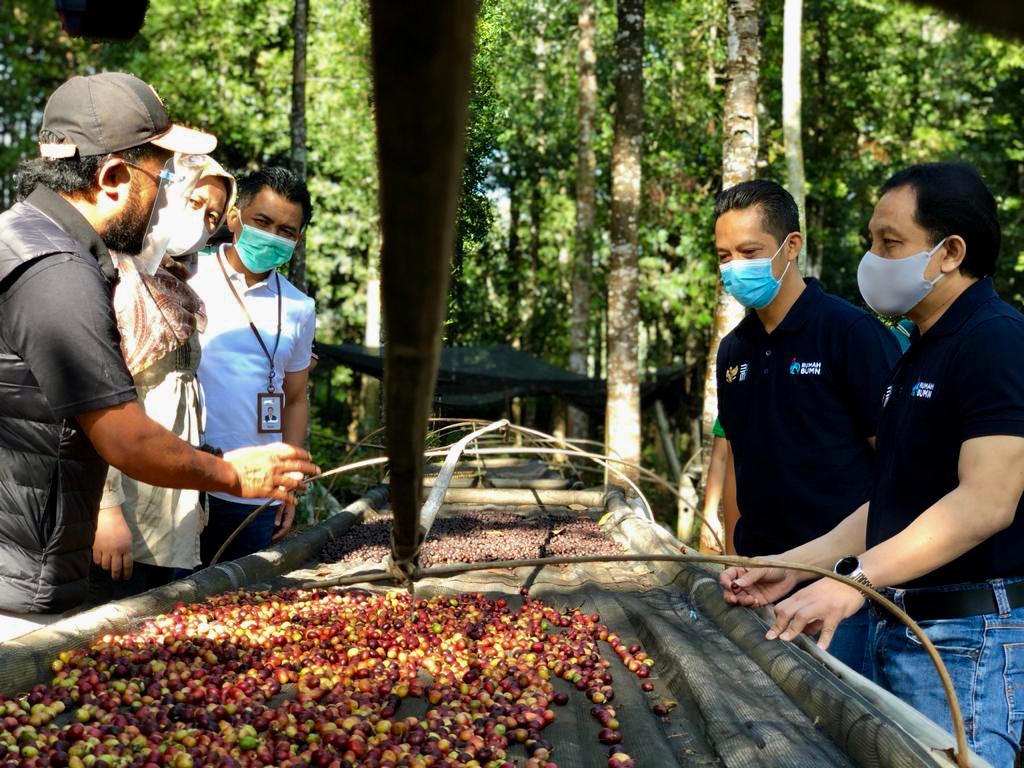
{"x":67,"y":402}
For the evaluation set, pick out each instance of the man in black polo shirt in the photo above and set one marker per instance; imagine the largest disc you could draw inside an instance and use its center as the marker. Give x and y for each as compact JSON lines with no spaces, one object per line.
{"x":943,"y":531}
{"x":800,"y":382}
{"x":67,"y":402}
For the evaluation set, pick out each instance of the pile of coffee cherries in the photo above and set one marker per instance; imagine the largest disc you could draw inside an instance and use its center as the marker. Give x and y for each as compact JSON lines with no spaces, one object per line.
{"x":479,"y":536}
{"x":331,"y":679}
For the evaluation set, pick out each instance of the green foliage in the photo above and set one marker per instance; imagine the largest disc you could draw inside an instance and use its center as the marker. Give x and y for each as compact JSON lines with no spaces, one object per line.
{"x":682,"y":170}
{"x":316,"y":505}
{"x":35,"y":57}
{"x":226,"y":65}
{"x":885,"y":84}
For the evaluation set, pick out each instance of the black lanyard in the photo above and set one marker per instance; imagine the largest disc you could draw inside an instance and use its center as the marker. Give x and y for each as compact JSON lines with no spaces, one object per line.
{"x":277,"y":340}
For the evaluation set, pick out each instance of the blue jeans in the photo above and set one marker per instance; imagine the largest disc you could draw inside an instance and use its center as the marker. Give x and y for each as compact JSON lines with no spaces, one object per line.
{"x":225,"y":516}
{"x":850,"y":643}
{"x":985,"y":658}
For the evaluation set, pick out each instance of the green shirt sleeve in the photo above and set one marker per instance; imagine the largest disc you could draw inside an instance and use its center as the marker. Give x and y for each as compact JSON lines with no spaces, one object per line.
{"x":717,"y":430}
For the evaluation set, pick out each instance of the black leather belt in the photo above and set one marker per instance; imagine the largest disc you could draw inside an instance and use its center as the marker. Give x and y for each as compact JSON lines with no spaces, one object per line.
{"x":927,"y":605}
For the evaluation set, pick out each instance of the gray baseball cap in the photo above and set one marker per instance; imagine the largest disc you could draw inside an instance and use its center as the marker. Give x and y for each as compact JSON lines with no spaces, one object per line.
{"x":111,"y":112}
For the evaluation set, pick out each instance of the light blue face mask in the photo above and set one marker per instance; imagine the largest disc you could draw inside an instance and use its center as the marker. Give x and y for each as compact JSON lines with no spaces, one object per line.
{"x":751,"y":282}
{"x":262,"y":251}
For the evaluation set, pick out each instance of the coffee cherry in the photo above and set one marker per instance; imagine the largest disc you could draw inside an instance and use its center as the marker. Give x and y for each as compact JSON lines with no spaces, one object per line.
{"x":319,"y":678}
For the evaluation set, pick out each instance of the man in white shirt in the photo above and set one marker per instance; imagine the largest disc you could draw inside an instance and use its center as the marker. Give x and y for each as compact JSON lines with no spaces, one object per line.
{"x":256,"y":347}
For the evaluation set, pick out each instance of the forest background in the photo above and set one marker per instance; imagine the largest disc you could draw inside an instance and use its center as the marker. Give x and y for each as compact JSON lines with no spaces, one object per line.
{"x":883,"y":84}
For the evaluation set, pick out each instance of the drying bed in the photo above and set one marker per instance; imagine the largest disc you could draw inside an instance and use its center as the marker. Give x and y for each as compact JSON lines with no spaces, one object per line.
{"x":473,"y":534}
{"x":328,"y":678}
{"x":719,"y":693}
{"x":318,"y":677}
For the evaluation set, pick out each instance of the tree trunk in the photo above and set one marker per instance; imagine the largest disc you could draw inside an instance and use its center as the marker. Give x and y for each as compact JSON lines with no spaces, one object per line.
{"x":536,"y":150}
{"x":711,"y":74}
{"x":820,"y":146}
{"x":534,"y":315}
{"x":514,"y":318}
{"x":816,"y":223}
{"x":535,"y":227}
{"x":300,"y":29}
{"x":586,"y":164}
{"x":370,"y":396}
{"x":792,"y":126}
{"x":668,"y":445}
{"x":622,"y":435}
{"x":739,"y":152}
{"x":739,"y":163}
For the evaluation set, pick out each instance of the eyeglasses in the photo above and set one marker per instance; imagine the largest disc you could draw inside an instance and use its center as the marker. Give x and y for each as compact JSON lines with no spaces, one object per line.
{"x":154,"y":177}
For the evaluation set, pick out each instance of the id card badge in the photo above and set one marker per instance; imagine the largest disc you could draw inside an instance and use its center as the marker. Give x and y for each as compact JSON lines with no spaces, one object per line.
{"x":269,"y":409}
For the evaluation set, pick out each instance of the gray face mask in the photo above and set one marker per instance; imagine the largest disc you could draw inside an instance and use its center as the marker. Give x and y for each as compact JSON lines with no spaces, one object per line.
{"x":892,"y":287}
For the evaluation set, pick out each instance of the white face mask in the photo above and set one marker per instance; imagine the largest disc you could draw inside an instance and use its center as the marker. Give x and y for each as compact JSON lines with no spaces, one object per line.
{"x":893,"y":287}
{"x":190,"y":233}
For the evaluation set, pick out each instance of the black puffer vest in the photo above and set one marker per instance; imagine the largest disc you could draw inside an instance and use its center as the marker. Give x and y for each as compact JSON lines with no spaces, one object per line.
{"x":51,"y":478}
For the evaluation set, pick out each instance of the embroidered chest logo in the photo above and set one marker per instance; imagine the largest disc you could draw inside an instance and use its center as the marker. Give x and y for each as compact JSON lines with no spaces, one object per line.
{"x":796,"y":368}
{"x":737,"y":372}
{"x":923,"y":389}
{"x":888,"y":396}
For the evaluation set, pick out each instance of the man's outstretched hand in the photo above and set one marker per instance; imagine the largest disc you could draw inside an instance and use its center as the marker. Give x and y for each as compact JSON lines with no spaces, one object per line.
{"x":756,"y":587}
{"x":816,"y":610}
{"x":276,"y":471}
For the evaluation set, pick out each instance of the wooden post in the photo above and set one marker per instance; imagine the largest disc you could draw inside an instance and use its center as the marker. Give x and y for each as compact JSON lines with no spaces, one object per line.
{"x":422,"y":57}
{"x":671,"y":450}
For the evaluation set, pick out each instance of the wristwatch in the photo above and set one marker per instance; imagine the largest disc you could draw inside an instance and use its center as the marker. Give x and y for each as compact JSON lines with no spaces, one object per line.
{"x":849,"y":567}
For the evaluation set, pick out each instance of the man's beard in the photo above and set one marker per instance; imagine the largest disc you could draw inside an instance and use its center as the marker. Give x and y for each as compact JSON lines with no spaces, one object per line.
{"x":126,"y":232}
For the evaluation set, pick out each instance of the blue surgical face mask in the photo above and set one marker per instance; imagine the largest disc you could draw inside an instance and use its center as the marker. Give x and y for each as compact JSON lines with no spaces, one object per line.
{"x":751,"y":282}
{"x":262,"y":251}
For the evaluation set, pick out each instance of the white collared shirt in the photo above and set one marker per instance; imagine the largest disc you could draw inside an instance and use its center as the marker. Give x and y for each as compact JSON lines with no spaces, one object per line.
{"x":233,"y":368}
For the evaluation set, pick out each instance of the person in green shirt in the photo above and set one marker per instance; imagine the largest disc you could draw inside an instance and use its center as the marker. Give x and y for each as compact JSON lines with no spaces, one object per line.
{"x":719,"y":490}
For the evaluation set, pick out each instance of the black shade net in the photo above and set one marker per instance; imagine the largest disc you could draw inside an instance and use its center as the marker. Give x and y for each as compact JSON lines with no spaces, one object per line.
{"x":484,"y":377}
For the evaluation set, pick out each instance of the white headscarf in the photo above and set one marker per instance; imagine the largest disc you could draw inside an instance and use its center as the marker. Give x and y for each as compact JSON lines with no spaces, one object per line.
{"x":182,"y":258}
{"x":156,"y":310}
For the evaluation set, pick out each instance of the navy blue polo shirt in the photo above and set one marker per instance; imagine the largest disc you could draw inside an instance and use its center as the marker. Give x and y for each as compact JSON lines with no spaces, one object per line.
{"x":962,"y":379}
{"x":798,"y":406}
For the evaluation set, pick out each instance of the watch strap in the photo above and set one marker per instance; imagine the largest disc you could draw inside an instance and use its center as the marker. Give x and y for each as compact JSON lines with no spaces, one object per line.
{"x":857,"y":574}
